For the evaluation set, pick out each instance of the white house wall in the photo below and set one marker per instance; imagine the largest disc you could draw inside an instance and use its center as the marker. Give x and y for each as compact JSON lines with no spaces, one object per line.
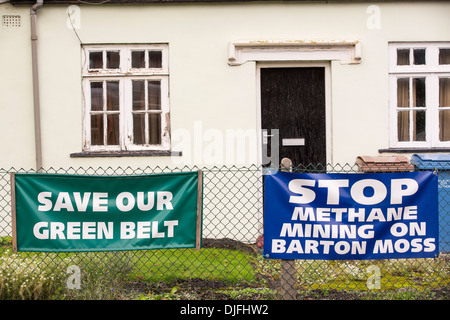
{"x":208,"y":98}
{"x":16,"y":99}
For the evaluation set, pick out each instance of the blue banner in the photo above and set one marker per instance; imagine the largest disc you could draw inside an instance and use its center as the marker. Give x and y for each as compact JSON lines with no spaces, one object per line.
{"x":351,"y":216}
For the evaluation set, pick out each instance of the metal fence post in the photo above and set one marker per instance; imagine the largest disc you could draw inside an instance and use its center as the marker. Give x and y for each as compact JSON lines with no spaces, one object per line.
{"x":287,"y":275}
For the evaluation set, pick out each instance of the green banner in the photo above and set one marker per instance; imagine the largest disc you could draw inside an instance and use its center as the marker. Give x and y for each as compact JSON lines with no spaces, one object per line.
{"x":53,"y":212}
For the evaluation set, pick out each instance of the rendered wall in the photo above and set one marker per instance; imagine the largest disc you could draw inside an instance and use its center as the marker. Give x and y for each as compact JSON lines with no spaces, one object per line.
{"x":207,"y":96}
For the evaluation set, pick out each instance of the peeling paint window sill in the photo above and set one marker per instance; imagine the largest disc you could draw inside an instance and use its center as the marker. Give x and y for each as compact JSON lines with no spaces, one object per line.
{"x":146,"y":153}
{"x":415,"y":150}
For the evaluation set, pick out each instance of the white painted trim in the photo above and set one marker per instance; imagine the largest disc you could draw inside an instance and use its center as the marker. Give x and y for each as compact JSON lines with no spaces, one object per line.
{"x":125,"y":75}
{"x":432,"y":57}
{"x":294,"y":142}
{"x":328,"y":119}
{"x":431,"y":71}
{"x":345,"y":51}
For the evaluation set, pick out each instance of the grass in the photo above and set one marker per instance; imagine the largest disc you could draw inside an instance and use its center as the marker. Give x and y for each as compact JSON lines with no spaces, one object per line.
{"x":229,"y":266}
{"x":392,"y":279}
{"x":108,"y":275}
{"x":25,"y":278}
{"x":212,"y":273}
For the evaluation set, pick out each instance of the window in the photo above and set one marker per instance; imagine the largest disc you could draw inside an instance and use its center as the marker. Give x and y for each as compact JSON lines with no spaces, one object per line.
{"x":420,"y":95}
{"x":126,"y":98}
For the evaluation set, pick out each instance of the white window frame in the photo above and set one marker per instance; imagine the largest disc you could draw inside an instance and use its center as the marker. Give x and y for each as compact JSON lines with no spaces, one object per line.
{"x":125,"y":74}
{"x":431,"y":71}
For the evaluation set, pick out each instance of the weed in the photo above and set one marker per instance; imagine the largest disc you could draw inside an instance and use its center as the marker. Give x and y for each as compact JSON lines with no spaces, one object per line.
{"x":212,"y":273}
{"x":25,"y":278}
{"x":165,"y":296}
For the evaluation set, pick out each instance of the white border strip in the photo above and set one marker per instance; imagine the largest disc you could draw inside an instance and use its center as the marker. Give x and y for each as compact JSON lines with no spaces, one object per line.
{"x":345,"y":51}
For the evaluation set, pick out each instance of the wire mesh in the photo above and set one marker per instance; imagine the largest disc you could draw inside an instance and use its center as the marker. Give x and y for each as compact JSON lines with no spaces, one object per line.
{"x":230,"y":264}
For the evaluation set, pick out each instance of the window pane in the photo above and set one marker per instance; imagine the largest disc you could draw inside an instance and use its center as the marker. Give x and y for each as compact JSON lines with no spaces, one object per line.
{"x":403,"y":126}
{"x":444,"y":92}
{"x":138,"y":59}
{"x":419,"y":56}
{"x":113,"y":59}
{"x":96,"y":60}
{"x":138,"y":95}
{"x":155,"y":59}
{"x":419,"y":92}
{"x":96,"y":96}
{"x":444,"y":56}
{"x":96,"y":129}
{"x":112,"y":95}
{"x":444,"y":125}
{"x":155,"y":128}
{"x":403,"y":57}
{"x":112,"y":134}
{"x":154,"y":95}
{"x":403,"y":92}
{"x":139,"y":128}
{"x":419,"y":125}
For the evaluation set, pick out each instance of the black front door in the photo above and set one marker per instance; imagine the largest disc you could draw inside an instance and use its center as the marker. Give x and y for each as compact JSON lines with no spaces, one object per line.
{"x":293,"y":101}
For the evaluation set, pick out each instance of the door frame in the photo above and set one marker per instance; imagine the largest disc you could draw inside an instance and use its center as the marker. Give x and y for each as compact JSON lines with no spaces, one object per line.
{"x":298,"y":64}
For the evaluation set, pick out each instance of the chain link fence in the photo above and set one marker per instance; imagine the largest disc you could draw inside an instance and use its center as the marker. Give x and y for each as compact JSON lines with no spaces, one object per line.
{"x":230,"y":264}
